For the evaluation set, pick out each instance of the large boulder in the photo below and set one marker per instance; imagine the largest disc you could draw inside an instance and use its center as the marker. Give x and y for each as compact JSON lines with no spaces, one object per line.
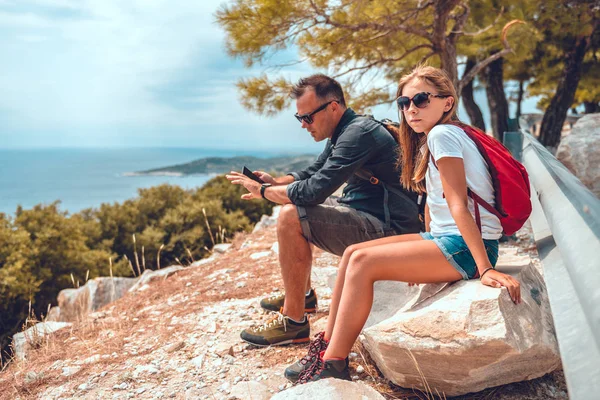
{"x":580,"y":151}
{"x":75,"y":304}
{"x":330,"y":389}
{"x":150,"y":276}
{"x":24,"y":341}
{"x":466,"y":337}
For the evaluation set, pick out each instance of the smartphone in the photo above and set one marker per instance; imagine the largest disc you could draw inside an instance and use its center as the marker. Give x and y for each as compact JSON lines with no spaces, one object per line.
{"x":250,"y":175}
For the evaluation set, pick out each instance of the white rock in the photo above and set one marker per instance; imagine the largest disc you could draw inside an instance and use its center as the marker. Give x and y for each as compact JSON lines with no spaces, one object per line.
{"x":360,"y":369}
{"x":212,"y":327}
{"x":76,"y":304}
{"x":275,"y":248}
{"x":150,"y":275}
{"x":261,"y":254}
{"x":23,"y":341}
{"x":221,"y":247}
{"x":68,"y":371}
{"x":144,"y":370}
{"x":198,"y":361}
{"x":580,"y":151}
{"x":469,"y":337}
{"x":330,"y":389}
{"x":250,"y":390}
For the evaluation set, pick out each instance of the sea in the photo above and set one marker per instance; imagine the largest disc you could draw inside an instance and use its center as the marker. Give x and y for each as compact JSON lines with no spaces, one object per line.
{"x":84,"y":178}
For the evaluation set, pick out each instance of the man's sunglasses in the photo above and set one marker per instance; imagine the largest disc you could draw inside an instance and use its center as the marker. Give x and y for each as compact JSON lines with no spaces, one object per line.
{"x":420,"y":100}
{"x":308,"y":117}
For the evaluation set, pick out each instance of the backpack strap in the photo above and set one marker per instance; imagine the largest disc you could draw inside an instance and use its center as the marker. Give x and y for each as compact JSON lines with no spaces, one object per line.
{"x":367,"y":175}
{"x":478,"y":200}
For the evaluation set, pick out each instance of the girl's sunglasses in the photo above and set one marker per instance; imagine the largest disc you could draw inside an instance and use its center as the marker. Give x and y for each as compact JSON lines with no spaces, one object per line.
{"x":420,"y":100}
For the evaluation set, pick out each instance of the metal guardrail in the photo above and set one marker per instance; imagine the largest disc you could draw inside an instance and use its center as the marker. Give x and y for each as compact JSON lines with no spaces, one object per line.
{"x":566,"y":228}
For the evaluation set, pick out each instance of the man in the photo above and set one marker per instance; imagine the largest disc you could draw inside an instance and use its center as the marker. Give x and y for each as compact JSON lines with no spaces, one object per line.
{"x":356,"y":145}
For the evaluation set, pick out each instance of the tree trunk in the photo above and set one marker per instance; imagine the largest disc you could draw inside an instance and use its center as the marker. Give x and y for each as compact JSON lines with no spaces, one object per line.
{"x":472,"y":108}
{"x":520,"y":98}
{"x":556,"y":113}
{"x":445,"y":46}
{"x":591,"y":107}
{"x":494,"y":89}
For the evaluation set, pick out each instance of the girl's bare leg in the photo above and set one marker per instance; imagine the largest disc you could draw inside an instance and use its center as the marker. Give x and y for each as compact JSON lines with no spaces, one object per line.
{"x":339,"y":282}
{"x":414,"y":261}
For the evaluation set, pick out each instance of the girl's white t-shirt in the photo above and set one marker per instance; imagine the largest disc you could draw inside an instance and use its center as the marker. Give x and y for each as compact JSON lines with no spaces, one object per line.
{"x":452,"y":141}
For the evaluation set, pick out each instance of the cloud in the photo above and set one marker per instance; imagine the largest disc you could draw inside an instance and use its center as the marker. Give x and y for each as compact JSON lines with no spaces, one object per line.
{"x":122,"y":73}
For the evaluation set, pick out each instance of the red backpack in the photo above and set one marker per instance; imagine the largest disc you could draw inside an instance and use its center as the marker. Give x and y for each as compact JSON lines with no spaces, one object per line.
{"x":509,"y":179}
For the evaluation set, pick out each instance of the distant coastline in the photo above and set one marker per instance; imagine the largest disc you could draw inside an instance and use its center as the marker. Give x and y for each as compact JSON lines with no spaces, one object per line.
{"x":221,"y":165}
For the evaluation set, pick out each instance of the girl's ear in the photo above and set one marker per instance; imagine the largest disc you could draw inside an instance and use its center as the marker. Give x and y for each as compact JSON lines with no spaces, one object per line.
{"x":449,"y":103}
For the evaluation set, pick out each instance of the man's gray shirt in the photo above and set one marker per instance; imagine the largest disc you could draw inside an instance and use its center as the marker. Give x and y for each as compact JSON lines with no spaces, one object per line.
{"x":358,"y":143}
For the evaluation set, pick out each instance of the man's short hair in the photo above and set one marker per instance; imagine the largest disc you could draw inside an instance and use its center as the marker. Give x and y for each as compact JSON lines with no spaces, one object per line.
{"x":325,"y":88}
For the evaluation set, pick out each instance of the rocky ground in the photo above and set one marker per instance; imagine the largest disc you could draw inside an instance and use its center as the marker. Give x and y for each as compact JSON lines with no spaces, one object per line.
{"x":179,"y":338}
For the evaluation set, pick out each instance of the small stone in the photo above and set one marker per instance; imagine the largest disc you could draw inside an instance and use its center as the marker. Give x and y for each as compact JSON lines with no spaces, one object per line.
{"x":240,"y":284}
{"x":103,"y":374}
{"x":122,"y":386}
{"x":83,"y":387}
{"x":354,"y":377}
{"x":212,"y":328}
{"x":262,"y":254}
{"x":188,"y":284}
{"x":352,"y":356}
{"x":32,"y":376}
{"x":68,"y":371}
{"x":237,"y":379}
{"x":198,"y":361}
{"x":140,"y":390}
{"x":224,"y":387}
{"x":360,"y":369}
{"x":175,"y":347}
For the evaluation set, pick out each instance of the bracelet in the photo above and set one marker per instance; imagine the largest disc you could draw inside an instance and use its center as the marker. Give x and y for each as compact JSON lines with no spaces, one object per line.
{"x":483,"y":273}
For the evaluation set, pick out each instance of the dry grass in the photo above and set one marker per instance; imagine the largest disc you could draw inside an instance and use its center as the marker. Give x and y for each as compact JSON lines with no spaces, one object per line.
{"x":127,"y":316}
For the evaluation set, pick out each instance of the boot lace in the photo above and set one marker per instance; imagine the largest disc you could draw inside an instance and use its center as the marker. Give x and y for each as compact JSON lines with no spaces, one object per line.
{"x":316,"y":346}
{"x":279,"y":320}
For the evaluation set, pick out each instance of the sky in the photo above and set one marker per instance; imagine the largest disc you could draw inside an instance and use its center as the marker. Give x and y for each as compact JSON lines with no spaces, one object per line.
{"x":137,"y":73}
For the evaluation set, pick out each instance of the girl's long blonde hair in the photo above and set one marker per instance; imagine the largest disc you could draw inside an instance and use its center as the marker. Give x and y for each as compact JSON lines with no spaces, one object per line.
{"x":414,"y":153}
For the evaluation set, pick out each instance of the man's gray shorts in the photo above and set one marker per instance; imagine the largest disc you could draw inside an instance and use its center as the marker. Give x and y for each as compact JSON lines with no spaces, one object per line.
{"x":332,"y":226}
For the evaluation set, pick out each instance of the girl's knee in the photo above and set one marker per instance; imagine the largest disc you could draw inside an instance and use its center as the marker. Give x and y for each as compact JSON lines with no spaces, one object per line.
{"x":358,"y":266}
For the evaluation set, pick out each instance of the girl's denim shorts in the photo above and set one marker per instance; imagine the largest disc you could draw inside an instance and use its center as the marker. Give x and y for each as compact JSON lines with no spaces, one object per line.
{"x":458,"y":254}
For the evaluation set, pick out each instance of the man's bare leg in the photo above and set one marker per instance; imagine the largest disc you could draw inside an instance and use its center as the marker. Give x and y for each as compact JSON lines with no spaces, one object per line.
{"x":295,"y":259}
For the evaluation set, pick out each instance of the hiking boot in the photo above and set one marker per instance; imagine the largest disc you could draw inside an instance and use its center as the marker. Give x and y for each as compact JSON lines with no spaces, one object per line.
{"x":321,"y":369}
{"x":278,"y":331}
{"x":316,"y":347}
{"x":275,"y":303}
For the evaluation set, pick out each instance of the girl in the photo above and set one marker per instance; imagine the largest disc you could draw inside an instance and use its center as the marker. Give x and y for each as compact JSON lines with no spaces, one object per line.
{"x":437,"y":158}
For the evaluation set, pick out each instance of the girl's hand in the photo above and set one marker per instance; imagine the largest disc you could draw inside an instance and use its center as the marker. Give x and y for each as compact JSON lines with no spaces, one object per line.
{"x":497,"y":279}
{"x":266,"y":178}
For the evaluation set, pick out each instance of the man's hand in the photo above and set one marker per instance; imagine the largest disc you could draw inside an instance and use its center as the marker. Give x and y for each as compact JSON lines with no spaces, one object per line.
{"x":266,"y":178}
{"x":251,"y":186}
{"x":497,"y":279}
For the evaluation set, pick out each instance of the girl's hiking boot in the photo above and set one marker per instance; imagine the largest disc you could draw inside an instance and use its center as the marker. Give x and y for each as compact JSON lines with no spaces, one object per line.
{"x":322,"y":369}
{"x":278,"y":331}
{"x":275,"y":303}
{"x":318,"y":345}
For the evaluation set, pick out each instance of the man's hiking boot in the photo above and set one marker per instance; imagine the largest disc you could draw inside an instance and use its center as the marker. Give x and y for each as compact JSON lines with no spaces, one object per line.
{"x":318,"y":345}
{"x":321,"y":369}
{"x":278,"y":331}
{"x":275,"y":303}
